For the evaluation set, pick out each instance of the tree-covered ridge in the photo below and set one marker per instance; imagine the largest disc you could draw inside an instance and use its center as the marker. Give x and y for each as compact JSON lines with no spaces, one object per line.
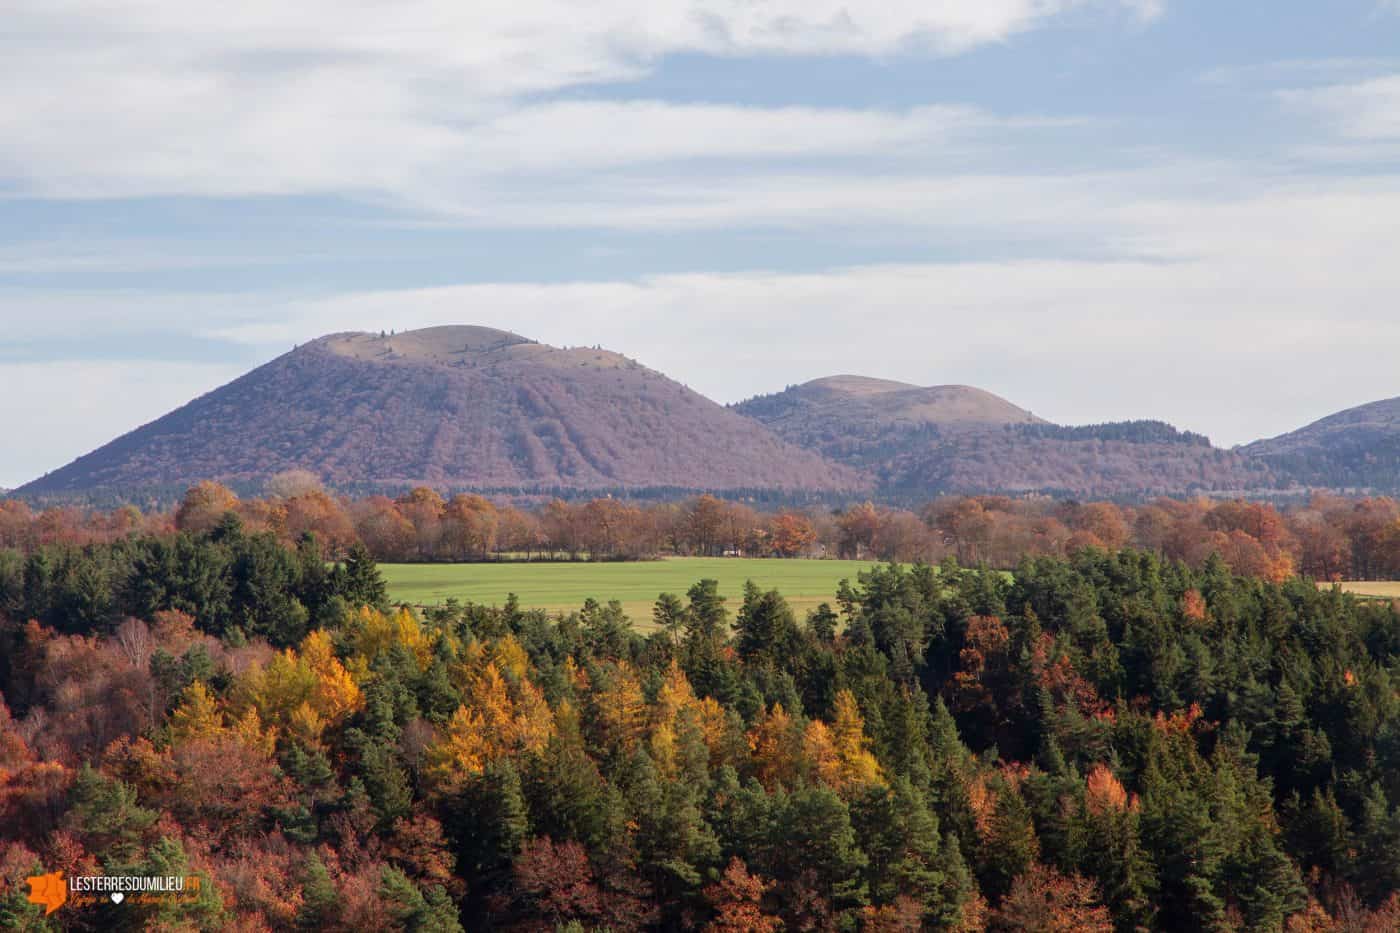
{"x":1109,"y":742}
{"x":1137,"y":432}
{"x":1355,"y":449}
{"x":920,"y":442}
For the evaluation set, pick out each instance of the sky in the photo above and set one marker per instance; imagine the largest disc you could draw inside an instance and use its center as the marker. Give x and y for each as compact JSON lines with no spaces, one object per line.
{"x":1099,"y":209}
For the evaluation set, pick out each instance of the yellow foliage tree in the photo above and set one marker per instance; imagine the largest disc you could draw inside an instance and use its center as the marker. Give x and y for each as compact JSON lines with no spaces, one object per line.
{"x":277,"y":688}
{"x":858,"y":765}
{"x":197,"y":716}
{"x":534,"y":721}
{"x":490,"y":701}
{"x":777,"y":747}
{"x":622,"y":710}
{"x":492,"y":724}
{"x":566,"y":719}
{"x":461,"y":750}
{"x":249,"y":731}
{"x":313,"y":678}
{"x":675,"y":695}
{"x":510,"y":656}
{"x":306,"y":724}
{"x":820,"y":751}
{"x":714,"y":729}
{"x":663,"y":750}
{"x":373,"y":633}
{"x":335,"y":694}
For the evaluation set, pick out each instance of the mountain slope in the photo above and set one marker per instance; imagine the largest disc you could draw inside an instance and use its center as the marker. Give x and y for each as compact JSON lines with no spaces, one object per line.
{"x":458,"y":407}
{"x":1097,"y":461}
{"x":922,"y":441}
{"x":1356,"y":449}
{"x":863,"y":422}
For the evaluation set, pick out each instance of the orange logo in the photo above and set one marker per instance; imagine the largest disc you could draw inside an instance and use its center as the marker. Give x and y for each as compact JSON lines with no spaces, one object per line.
{"x":48,"y":891}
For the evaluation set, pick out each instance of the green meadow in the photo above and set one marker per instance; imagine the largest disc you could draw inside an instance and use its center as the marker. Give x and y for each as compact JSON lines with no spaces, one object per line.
{"x":565,"y":585}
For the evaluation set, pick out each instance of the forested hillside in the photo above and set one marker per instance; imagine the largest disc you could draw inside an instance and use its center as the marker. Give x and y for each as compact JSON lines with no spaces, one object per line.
{"x":1108,"y":461}
{"x":1356,"y":449}
{"x":1108,"y":742}
{"x":473,"y":409}
{"x":918,"y":442}
{"x":452,"y":407}
{"x":864,"y":422}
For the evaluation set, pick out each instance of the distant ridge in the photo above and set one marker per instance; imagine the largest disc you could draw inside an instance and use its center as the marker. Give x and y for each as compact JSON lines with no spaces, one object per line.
{"x":921,"y":441}
{"x":1357,"y":449}
{"x":885,"y":400}
{"x":468,"y":407}
{"x":860,"y":421}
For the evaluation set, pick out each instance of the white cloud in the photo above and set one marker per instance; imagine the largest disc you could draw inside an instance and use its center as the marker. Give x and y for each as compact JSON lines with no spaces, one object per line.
{"x":1363,"y":110}
{"x":779,"y":199}
{"x":140,"y":97}
{"x":46,"y":257}
{"x":588,"y":135}
{"x":55,"y":315}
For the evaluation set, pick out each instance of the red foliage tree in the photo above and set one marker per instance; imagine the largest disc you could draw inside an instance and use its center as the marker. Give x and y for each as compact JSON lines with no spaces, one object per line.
{"x":1044,"y":901}
{"x":738,"y":902}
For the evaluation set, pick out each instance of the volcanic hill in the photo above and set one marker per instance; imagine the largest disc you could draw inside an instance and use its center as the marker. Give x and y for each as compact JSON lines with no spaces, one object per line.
{"x":915,"y":442}
{"x":454,"y":407}
{"x":476,"y":408}
{"x":1356,"y":450}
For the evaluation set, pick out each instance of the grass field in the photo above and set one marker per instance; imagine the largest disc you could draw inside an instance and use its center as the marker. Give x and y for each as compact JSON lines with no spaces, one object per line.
{"x":555,"y":586}
{"x":1382,"y":589}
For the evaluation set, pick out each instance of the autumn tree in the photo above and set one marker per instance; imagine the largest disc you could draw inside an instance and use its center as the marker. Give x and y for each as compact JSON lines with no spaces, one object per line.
{"x":315,"y":513}
{"x":295,"y":482}
{"x":1112,"y":849}
{"x":738,"y":899}
{"x":203,"y":506}
{"x":423,"y":509}
{"x":554,"y":883}
{"x":469,"y":526}
{"x":1044,"y":901}
{"x":383,"y":529}
{"x":858,"y":527}
{"x":791,"y":533}
{"x":705,"y":518}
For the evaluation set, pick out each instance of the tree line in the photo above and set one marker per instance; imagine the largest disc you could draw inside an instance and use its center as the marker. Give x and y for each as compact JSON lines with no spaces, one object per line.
{"x":1326,"y":538}
{"x":1108,"y":742}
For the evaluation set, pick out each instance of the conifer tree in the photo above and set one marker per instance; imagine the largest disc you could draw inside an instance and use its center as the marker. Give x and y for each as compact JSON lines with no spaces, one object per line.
{"x":363,"y":584}
{"x":1111,"y":850}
